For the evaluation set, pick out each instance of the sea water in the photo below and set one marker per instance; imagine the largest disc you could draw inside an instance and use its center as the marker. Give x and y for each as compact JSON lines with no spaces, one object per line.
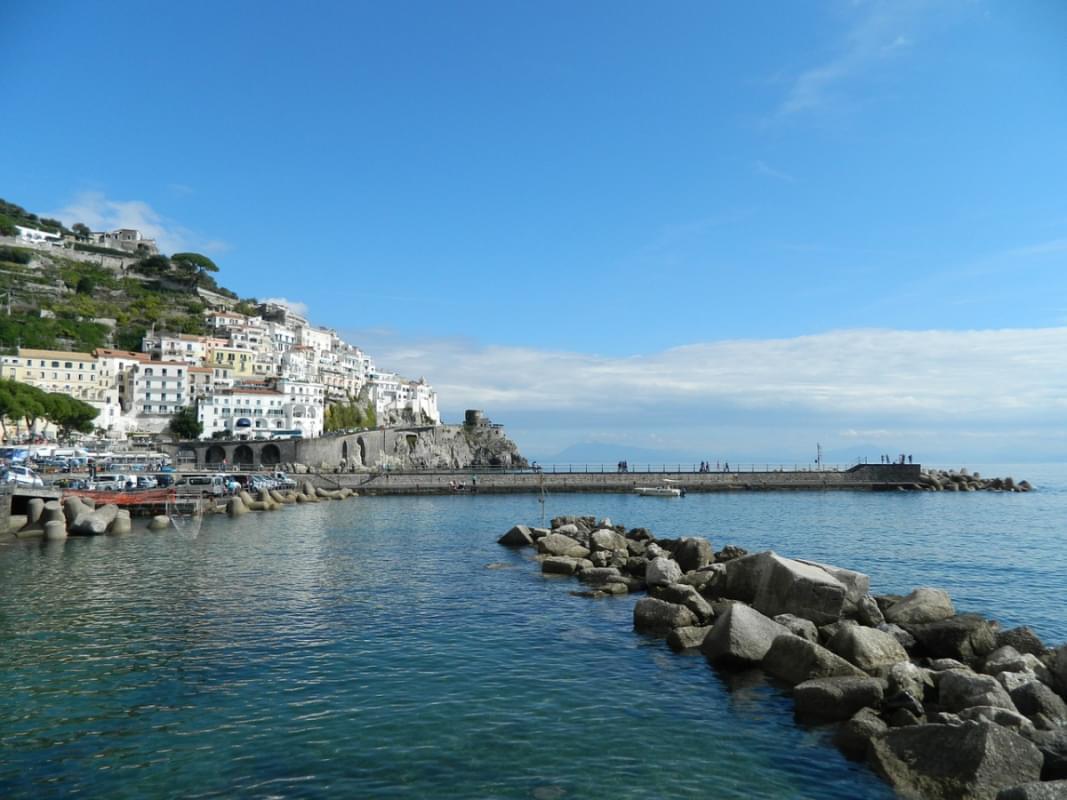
{"x":388,"y":647}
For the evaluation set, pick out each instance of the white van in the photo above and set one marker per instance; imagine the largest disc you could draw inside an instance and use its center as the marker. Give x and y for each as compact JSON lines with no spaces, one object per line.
{"x":113,"y":482}
{"x":214,"y":485}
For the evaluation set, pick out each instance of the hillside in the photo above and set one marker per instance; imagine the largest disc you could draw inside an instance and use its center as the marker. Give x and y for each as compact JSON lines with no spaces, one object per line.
{"x":62,"y":299}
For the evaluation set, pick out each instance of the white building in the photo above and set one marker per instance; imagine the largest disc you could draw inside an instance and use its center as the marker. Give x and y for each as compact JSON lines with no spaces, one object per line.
{"x":180,"y":347}
{"x":307,"y":406}
{"x":36,"y":236}
{"x":251,"y":413}
{"x":156,"y":390}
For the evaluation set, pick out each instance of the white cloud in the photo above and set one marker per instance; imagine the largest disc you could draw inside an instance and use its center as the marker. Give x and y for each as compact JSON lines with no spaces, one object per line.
{"x":767,"y":171}
{"x":927,"y":375}
{"x":876,"y":33}
{"x":101,"y":213}
{"x":295,"y":306}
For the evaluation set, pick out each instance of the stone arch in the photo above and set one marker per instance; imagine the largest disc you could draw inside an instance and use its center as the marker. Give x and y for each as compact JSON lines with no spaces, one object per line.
{"x":344,"y":450}
{"x":270,"y":455}
{"x":362,"y":451}
{"x":216,"y":454}
{"x":244,"y":456}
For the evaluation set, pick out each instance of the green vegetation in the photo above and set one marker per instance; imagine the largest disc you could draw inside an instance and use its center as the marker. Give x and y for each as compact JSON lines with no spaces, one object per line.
{"x":16,"y":255}
{"x":185,"y":425}
{"x":12,"y":215}
{"x":20,"y":401}
{"x":353,"y":414}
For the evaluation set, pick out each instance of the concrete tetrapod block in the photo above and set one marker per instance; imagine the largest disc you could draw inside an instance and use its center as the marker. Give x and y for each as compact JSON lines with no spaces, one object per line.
{"x":53,"y":512}
{"x":159,"y":522}
{"x":14,"y":523}
{"x":55,"y":530}
{"x":34,"y":510}
{"x":122,"y":523}
{"x":72,"y":508}
{"x":235,"y":506}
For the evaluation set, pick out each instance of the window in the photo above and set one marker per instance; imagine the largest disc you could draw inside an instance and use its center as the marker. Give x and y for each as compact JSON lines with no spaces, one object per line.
{"x":68,"y":365}
{"x":55,"y":364}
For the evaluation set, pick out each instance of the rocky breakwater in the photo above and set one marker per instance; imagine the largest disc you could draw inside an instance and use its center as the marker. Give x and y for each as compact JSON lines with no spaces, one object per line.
{"x":940,"y":704}
{"x":962,"y":480}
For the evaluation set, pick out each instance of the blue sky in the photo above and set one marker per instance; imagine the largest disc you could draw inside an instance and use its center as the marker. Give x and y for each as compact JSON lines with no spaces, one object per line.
{"x":533,"y":202}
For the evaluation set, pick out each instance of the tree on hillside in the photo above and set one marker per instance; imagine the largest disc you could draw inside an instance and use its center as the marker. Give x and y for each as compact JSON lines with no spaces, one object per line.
{"x":7,"y":227}
{"x":153,"y":266}
{"x":194,"y":266}
{"x":69,"y":413}
{"x":81,"y":230}
{"x":185,"y":425}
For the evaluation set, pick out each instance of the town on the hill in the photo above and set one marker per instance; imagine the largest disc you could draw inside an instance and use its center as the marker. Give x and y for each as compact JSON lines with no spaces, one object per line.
{"x":268,"y":373}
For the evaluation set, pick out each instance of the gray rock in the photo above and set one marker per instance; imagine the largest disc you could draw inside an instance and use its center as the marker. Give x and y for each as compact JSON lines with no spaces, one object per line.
{"x":1013,"y":680}
{"x":741,"y":635}
{"x":835,"y":698}
{"x":792,"y":587}
{"x":965,"y":637}
{"x":944,"y":664}
{"x":1035,"y":790}
{"x":741,"y":577}
{"x":1053,"y":747}
{"x":907,"y":641}
{"x":1004,"y":659}
{"x":868,"y":648}
{"x":559,"y":565}
{"x":923,"y":605}
{"x":854,"y":735}
{"x":907,"y":677}
{"x":686,"y":596}
{"x":939,"y":762}
{"x":959,"y":689}
{"x":804,"y":628}
{"x":659,"y":618}
{"x":868,"y":613}
{"x":687,"y":638}
{"x":662,"y":571}
{"x":599,"y":575}
{"x":693,"y":553}
{"x":519,"y":536}
{"x":857,"y":585}
{"x":698,"y":580}
{"x":610,"y":541}
{"x":1022,"y":639}
{"x":1034,"y":699}
{"x":794,"y":660}
{"x":557,"y":544}
{"x":1058,"y":667}
{"x":998,"y":716}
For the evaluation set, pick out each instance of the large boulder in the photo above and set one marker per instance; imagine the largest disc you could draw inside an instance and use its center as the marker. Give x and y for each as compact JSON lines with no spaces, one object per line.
{"x":792,"y":587}
{"x":857,"y":585}
{"x":1053,"y":747}
{"x":1035,"y":790}
{"x":687,"y":638}
{"x":835,"y":698}
{"x":921,"y":606}
{"x":1039,"y":704}
{"x":798,"y":626}
{"x":659,"y":618}
{"x":605,"y":540}
{"x":597,"y":576}
{"x":662,"y":571}
{"x":869,"y":649}
{"x":794,"y":660}
{"x":741,"y":635}
{"x":692,"y":553}
{"x":559,"y":565}
{"x":853,"y":736}
{"x":687,"y":596}
{"x":960,"y":689}
{"x":557,"y":544}
{"x":740,"y":577}
{"x":951,"y":762}
{"x":519,"y":536}
{"x":965,"y":637}
{"x":1004,"y":659}
{"x":1058,"y":666}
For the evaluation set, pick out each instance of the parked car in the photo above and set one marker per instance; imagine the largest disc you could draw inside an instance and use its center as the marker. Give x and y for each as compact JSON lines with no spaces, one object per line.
{"x":113,"y":482}
{"x":207,"y":484}
{"x":146,"y":482}
{"x":164,"y":481}
{"x":283,"y":481}
{"x":22,"y":476}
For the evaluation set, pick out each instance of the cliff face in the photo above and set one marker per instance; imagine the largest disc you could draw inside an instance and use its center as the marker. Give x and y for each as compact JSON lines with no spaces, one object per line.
{"x":453,"y":447}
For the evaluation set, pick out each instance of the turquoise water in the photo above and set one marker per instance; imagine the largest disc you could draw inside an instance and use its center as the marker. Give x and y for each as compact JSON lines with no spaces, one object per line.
{"x":387,"y":647}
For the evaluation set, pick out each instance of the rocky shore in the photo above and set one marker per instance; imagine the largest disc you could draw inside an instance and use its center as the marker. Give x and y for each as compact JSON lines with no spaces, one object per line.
{"x":938,"y":480}
{"x":940,"y":704}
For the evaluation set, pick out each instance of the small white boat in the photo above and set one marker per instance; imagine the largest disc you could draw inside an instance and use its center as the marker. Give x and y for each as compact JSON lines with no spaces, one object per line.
{"x":666,"y":490}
